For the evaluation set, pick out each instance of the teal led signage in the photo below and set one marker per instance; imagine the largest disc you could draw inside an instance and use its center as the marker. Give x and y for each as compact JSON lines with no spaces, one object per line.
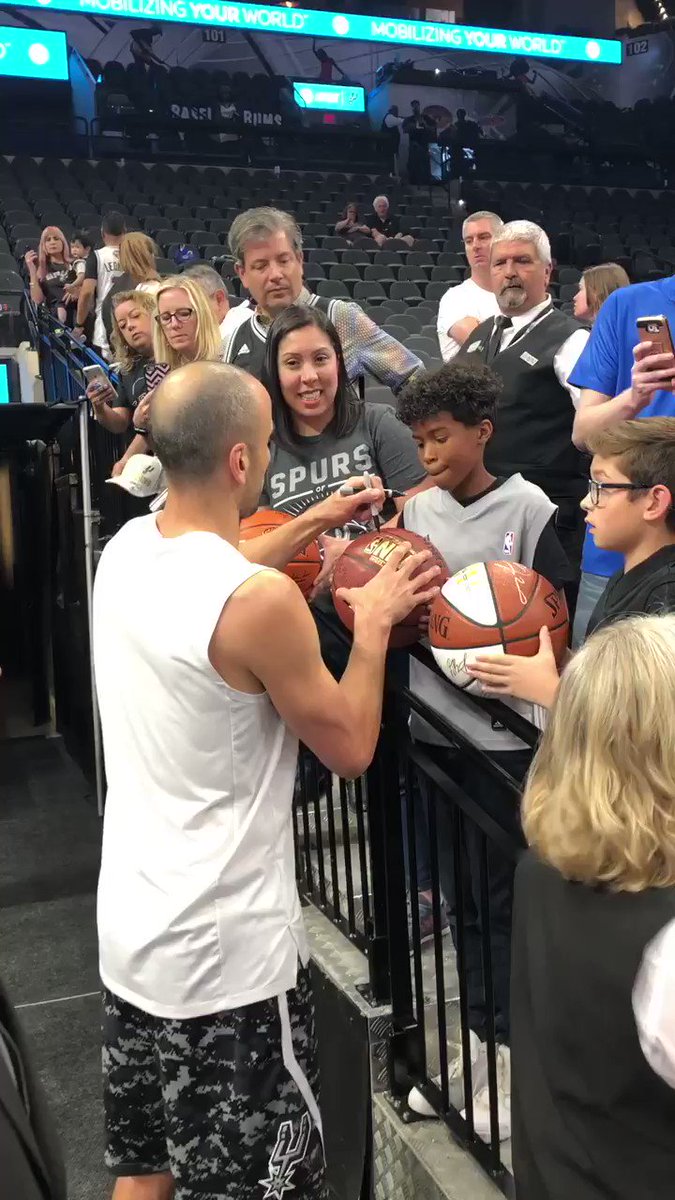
{"x":331,"y":97}
{"x":31,"y":54}
{"x":397,"y":31}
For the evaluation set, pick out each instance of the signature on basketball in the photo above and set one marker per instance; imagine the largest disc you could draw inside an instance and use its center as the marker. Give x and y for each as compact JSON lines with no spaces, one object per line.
{"x":455,"y":666}
{"x":515,"y":569}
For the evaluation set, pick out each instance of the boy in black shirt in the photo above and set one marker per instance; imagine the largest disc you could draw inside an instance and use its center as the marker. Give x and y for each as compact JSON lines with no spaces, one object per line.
{"x":629,"y":508}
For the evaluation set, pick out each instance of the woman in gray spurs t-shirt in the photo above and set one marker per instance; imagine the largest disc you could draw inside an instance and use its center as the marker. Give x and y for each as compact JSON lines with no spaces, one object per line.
{"x":323,"y":433}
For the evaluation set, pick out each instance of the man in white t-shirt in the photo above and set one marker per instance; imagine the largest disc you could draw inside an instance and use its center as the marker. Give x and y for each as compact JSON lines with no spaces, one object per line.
{"x":466,"y":305}
{"x":228,"y":318}
{"x":101,"y":270}
{"x":208,"y":671}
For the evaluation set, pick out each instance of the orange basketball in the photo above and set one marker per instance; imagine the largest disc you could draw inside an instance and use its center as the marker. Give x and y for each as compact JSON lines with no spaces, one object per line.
{"x":494,"y":608}
{"x":364,"y":557}
{"x":305,"y":566}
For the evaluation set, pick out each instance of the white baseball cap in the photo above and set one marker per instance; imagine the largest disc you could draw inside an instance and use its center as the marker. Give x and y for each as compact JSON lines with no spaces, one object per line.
{"x":142,"y":475}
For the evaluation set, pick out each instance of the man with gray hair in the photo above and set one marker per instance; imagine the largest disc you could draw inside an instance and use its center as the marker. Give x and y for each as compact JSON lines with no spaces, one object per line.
{"x":385,"y":225}
{"x":208,"y":671}
{"x":534,"y":348}
{"x":465,"y":305}
{"x":266,"y":245}
{"x":229,"y":318}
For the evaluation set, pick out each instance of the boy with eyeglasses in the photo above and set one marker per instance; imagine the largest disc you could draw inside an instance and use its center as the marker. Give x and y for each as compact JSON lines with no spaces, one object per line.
{"x":630,"y":508}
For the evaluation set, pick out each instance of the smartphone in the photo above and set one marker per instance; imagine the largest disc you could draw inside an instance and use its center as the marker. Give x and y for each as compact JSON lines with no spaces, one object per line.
{"x":95,"y":374}
{"x":154,"y":374}
{"x":657,"y":331}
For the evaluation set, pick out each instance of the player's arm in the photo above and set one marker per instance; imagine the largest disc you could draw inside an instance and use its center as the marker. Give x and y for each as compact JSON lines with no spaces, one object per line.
{"x":277,"y":548}
{"x":85,"y":301}
{"x":266,"y":635}
{"x":461,"y":330}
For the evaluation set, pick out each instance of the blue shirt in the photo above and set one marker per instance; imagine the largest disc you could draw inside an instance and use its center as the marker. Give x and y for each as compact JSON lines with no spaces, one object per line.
{"x":605,"y":366}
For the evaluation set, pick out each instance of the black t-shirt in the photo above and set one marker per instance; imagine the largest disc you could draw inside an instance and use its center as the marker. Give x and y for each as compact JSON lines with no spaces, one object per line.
{"x":132,"y":385}
{"x":52,"y":283}
{"x":388,"y":225}
{"x":648,"y":588}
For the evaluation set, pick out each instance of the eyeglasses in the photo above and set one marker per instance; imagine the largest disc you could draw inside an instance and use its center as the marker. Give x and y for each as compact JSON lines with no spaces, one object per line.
{"x":180,"y":316}
{"x":596,"y":489}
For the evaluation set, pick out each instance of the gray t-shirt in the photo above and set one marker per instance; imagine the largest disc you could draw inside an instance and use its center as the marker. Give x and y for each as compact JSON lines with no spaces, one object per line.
{"x":511,"y":520}
{"x":300,"y":476}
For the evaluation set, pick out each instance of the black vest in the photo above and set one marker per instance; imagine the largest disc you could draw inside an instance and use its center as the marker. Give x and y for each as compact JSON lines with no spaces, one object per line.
{"x":246,"y":347}
{"x":533,"y":433}
{"x":590,"y":1118}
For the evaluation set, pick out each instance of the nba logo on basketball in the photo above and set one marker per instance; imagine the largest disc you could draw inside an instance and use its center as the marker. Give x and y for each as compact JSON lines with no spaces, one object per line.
{"x":509,"y":542}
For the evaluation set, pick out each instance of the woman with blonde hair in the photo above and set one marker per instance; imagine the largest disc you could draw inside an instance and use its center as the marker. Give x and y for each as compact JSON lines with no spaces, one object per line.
{"x":139,"y":272}
{"x":186,"y":329}
{"x":49,"y":270}
{"x":595,"y":285}
{"x":590,"y":1118}
{"x":138,"y":261}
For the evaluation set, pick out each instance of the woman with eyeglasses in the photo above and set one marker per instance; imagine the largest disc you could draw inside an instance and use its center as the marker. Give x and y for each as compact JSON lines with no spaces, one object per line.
{"x":590,"y":1116}
{"x":186,"y":329}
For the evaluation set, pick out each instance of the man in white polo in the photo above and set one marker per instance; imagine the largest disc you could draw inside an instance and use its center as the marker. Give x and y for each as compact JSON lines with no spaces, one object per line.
{"x":466,"y":305}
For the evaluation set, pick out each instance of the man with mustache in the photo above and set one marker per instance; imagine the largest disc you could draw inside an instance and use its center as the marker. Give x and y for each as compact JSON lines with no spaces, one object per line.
{"x":534,"y":348}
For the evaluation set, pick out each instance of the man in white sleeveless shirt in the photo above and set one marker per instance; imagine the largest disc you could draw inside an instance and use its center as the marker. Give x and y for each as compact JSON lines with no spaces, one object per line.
{"x":208,"y":671}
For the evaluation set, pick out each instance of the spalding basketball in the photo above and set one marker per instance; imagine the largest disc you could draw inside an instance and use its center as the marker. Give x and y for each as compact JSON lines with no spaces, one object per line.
{"x":365,"y":556}
{"x":494,"y":608}
{"x":305,"y":566}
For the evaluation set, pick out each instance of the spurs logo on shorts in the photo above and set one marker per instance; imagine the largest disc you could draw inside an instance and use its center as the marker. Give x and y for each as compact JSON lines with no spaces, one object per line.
{"x":290,"y":1149}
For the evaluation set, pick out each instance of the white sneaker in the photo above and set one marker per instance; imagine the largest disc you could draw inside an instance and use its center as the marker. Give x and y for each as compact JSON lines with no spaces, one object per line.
{"x":481,"y":1104}
{"x":422,"y":1107}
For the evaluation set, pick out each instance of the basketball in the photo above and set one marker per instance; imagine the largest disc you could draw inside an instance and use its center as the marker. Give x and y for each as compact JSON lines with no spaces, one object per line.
{"x":494,"y":608}
{"x":305,"y":566}
{"x":364,"y":557}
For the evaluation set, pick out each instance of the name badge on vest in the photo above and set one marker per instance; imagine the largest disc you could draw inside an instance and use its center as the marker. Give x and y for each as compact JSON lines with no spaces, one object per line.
{"x":529,"y":359}
{"x":473,"y":347}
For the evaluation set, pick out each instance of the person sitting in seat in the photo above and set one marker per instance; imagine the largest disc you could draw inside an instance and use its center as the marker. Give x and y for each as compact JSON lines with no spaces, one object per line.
{"x":385,"y":225}
{"x":349,"y":223}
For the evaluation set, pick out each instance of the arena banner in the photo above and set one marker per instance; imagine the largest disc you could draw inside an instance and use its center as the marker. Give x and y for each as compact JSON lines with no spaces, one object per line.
{"x":26,"y":54}
{"x":397,"y":31}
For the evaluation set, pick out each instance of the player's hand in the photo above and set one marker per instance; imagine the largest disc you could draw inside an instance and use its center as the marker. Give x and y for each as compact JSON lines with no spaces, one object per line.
{"x":339,"y":510}
{"x":535,"y":679}
{"x":100,"y":393}
{"x":118,"y":467}
{"x":391,"y":594}
{"x":141,"y":418}
{"x":333,"y":548}
{"x":650,"y":373}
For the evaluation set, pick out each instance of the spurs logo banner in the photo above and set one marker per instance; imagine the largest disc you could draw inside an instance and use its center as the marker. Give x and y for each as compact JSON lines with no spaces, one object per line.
{"x":290,"y":1150}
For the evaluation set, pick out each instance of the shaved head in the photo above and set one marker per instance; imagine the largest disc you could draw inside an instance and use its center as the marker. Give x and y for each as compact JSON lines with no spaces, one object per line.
{"x":202,"y":410}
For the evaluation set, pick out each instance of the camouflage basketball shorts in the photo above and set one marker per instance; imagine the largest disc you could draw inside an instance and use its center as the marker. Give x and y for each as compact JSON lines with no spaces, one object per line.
{"x":227,"y":1103}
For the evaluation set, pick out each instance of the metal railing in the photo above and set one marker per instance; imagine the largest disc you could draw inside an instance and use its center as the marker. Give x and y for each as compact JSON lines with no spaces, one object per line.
{"x":357,"y":860}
